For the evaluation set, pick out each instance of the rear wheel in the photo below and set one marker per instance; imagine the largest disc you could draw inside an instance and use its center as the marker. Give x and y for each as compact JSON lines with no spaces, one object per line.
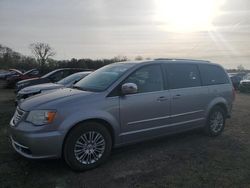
{"x":87,"y":146}
{"x":215,"y":122}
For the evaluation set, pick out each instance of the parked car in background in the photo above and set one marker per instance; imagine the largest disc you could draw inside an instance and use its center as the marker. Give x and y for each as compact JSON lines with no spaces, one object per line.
{"x":245,"y":84}
{"x":119,"y":104}
{"x":4,"y":73}
{"x":9,"y":73}
{"x":235,"y":80}
{"x":41,"y":88}
{"x":51,"y":77}
{"x":14,"y":78}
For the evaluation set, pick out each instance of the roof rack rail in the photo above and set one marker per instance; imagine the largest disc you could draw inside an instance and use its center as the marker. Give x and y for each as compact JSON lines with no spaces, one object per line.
{"x":180,"y":59}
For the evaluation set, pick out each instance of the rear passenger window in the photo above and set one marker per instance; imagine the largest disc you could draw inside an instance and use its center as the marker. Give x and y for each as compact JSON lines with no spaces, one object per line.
{"x":212,"y":75}
{"x":183,"y":75}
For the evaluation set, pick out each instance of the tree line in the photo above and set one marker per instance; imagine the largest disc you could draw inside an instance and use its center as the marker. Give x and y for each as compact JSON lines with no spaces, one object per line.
{"x":43,"y":61}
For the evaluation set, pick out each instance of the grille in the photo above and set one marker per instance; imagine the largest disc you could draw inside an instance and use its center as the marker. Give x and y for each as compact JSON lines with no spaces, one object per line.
{"x":18,"y":116}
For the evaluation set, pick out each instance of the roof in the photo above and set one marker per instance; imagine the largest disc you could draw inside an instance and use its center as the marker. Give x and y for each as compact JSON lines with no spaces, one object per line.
{"x":181,"y":60}
{"x":168,"y":60}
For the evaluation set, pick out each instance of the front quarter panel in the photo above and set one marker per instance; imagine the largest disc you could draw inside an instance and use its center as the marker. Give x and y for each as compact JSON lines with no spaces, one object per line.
{"x":105,"y":109}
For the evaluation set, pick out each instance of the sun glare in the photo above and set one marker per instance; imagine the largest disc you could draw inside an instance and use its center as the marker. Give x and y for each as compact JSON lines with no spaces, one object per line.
{"x":186,"y":15}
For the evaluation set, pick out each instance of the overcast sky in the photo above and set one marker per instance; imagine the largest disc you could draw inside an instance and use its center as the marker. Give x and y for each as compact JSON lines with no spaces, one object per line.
{"x":107,"y":28}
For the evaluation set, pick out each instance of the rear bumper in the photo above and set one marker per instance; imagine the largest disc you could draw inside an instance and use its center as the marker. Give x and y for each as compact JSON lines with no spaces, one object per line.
{"x":37,"y":145}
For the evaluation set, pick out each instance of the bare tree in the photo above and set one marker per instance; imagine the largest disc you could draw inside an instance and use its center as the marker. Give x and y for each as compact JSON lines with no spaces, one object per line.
{"x":42,"y":52}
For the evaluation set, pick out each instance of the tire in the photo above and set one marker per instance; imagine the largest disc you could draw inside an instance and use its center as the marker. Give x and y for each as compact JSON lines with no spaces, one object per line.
{"x":79,"y":153}
{"x":215,"y":122}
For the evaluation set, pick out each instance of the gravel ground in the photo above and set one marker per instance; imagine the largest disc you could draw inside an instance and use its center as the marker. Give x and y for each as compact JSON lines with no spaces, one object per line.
{"x":184,"y":160}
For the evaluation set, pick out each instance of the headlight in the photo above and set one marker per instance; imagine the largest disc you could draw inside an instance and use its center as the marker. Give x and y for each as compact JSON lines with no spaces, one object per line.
{"x":41,"y":117}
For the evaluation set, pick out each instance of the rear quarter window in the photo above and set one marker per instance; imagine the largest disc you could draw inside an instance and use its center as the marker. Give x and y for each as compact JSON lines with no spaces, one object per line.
{"x":213,"y":75}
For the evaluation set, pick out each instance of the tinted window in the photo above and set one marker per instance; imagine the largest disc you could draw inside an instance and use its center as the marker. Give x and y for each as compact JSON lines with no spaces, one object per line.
{"x":183,"y":75}
{"x":147,"y":79}
{"x":212,"y":74}
{"x":57,"y":76}
{"x":67,"y":73}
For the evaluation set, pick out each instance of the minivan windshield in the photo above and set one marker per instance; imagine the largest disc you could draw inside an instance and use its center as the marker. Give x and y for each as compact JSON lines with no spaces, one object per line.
{"x":101,"y":79}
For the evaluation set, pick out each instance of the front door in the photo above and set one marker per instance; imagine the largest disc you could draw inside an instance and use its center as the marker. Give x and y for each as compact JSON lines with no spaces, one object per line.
{"x":143,"y":114}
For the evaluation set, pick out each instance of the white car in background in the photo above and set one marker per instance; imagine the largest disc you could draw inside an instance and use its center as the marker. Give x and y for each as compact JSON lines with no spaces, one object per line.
{"x":47,"y":87}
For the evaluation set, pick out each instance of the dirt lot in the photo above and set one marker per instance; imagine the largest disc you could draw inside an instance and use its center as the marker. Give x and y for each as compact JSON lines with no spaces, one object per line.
{"x":184,"y":160}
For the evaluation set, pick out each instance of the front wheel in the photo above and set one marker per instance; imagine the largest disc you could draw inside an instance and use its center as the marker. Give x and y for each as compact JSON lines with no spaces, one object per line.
{"x":215,"y":122}
{"x":87,"y":146}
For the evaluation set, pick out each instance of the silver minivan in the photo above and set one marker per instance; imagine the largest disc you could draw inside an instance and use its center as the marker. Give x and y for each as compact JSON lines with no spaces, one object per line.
{"x":119,"y":104}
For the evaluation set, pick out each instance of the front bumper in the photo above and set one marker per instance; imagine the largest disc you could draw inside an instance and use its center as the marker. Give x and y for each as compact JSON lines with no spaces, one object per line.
{"x":34,"y":144}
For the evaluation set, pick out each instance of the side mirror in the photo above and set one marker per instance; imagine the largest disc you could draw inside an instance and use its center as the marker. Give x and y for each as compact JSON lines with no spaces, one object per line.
{"x":129,"y":88}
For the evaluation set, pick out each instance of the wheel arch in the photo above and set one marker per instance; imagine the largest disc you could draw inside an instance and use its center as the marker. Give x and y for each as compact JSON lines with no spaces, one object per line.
{"x":107,"y":125}
{"x":220,"y":104}
{"x":223,"y":107}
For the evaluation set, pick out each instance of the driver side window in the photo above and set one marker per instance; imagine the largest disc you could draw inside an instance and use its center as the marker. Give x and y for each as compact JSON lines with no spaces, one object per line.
{"x":147,"y":79}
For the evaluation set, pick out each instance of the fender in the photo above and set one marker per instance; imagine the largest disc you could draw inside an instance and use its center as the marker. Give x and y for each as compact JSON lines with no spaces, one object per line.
{"x":77,"y":117}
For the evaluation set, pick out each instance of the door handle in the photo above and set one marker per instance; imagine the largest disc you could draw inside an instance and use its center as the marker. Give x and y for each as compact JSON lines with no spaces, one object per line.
{"x":162,"y":98}
{"x":177,"y":96}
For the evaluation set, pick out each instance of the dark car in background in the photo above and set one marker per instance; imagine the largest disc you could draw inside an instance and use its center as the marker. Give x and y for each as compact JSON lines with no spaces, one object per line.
{"x":245,"y":84}
{"x":236,"y":78}
{"x":51,"y":77}
{"x":47,"y":87}
{"x":4,"y":75}
{"x":18,"y":76}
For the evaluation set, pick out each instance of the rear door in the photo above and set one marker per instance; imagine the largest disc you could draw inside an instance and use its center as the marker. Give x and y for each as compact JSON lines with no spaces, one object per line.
{"x":188,"y":97}
{"x":143,"y":114}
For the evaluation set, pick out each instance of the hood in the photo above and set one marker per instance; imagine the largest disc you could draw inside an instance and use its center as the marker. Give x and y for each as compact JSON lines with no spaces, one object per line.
{"x":57,"y":96}
{"x":40,"y":87}
{"x":30,"y":82}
